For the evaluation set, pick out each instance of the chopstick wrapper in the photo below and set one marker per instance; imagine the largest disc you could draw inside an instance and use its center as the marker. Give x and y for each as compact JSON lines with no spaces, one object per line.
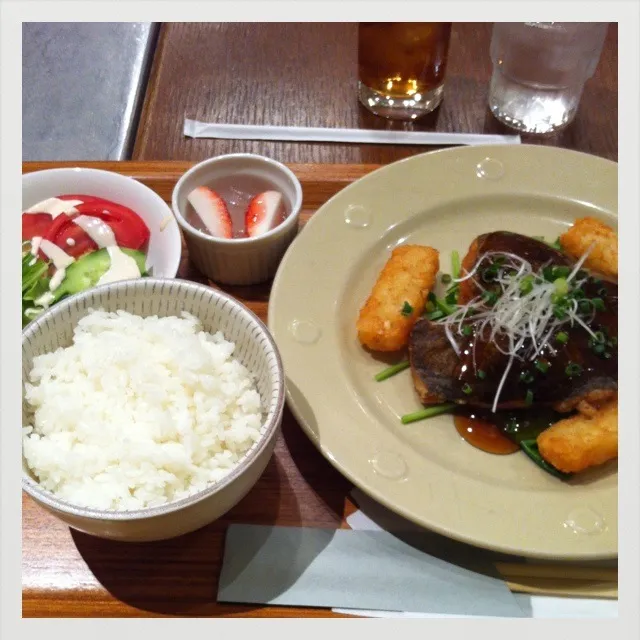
{"x":300,"y":566}
{"x":197,"y":129}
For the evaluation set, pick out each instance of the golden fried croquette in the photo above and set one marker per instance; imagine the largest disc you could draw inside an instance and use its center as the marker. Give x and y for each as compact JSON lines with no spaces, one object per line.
{"x":587,"y":231}
{"x":385,"y":321}
{"x":582,"y":441}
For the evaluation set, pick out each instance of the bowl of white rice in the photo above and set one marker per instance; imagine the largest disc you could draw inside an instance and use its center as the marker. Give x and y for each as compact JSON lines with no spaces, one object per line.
{"x":150,"y":407}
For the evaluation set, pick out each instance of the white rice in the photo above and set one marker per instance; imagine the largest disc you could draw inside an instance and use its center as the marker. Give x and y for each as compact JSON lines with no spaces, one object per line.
{"x":138,"y":412}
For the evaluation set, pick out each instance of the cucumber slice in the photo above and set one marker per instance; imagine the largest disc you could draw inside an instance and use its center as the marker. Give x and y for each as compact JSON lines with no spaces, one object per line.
{"x":85,"y":272}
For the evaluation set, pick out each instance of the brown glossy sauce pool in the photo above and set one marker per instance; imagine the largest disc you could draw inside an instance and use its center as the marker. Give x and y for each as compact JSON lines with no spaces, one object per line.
{"x":484,"y":435}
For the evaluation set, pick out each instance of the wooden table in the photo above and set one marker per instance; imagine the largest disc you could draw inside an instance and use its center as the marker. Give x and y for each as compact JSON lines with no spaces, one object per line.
{"x":305,"y":74}
{"x":275,"y":74}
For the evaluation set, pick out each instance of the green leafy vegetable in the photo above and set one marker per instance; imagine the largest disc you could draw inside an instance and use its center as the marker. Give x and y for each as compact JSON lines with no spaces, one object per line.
{"x":391,"y":371}
{"x":35,"y":283}
{"x":427,"y":412}
{"x":530,"y":447}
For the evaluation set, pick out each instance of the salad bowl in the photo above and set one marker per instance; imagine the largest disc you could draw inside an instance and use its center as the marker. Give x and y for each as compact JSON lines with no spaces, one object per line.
{"x":134,"y":217}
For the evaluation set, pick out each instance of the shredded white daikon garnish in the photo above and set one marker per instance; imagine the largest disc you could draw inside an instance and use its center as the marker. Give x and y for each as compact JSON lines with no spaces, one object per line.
{"x":518,"y":314}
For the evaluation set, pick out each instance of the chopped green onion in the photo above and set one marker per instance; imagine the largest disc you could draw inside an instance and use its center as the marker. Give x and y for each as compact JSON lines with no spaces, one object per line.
{"x":391,"y":371}
{"x":573,"y":369}
{"x":559,"y":312}
{"x":490,"y":297}
{"x":466,"y":388}
{"x":562,"y":337}
{"x":436,"y":315}
{"x":427,"y":412}
{"x":481,"y":374}
{"x":445,"y":278}
{"x":526,"y":377}
{"x":547,"y":274}
{"x":560,"y":272}
{"x":451,"y":298}
{"x":407,"y":309}
{"x":489,"y":273}
{"x":429,"y":307}
{"x":467,"y":330}
{"x":602,"y":291}
{"x":584,"y":305}
{"x":455,"y":264}
{"x":528,"y":400}
{"x":561,"y":286}
{"x":599,"y":348}
{"x":541,"y":365}
{"x":444,"y":307}
{"x":598,"y":304}
{"x":526,"y":284}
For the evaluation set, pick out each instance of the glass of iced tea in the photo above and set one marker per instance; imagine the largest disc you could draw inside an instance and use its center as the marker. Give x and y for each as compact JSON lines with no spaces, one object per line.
{"x":401,"y":67}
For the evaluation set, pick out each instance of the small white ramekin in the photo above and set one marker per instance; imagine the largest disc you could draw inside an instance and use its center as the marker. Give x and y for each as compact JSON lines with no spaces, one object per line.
{"x":240,"y":261}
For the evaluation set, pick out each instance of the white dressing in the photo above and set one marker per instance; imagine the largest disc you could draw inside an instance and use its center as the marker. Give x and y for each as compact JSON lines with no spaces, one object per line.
{"x":98,"y":230}
{"x":57,"y":278}
{"x":35,"y":245}
{"x":60,"y":258}
{"x":54,"y":206}
{"x":45,"y":300}
{"x":122,"y":266}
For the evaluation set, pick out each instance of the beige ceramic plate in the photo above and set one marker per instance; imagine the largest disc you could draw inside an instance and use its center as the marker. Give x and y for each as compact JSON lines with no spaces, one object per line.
{"x":425,"y":471}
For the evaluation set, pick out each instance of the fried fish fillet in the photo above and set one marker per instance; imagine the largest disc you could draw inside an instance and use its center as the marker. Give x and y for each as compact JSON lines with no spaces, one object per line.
{"x":582,"y":441}
{"x":604,"y":255}
{"x":442,"y":375}
{"x":385,"y":321}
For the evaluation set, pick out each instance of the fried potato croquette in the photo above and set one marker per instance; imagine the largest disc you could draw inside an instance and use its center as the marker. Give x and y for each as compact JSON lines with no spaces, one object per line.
{"x":582,"y":441}
{"x":604,"y":255}
{"x":398,"y":298}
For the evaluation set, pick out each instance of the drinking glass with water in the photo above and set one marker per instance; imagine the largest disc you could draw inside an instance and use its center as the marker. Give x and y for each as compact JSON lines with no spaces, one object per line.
{"x":539,"y":71}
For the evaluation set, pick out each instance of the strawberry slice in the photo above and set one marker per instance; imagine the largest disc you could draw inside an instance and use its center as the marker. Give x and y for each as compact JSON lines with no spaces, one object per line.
{"x":212,"y":211}
{"x":265,"y":212}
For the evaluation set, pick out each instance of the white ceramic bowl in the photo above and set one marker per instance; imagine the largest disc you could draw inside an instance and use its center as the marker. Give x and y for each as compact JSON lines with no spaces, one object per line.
{"x":165,"y":245}
{"x":239,"y":261}
{"x":255,"y":349}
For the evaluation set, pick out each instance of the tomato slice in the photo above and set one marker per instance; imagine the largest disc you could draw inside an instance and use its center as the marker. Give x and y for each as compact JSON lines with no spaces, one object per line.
{"x":35,"y":224}
{"x":84,"y":198}
{"x":70,"y":237}
{"x":128,"y":227}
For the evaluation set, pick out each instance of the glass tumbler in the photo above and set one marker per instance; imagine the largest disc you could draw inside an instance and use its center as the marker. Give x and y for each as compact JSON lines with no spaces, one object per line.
{"x":401,"y":67}
{"x":539,"y":71}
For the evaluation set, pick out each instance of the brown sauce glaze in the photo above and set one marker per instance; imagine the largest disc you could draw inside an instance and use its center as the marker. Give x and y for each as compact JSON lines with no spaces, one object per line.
{"x":484,"y":435}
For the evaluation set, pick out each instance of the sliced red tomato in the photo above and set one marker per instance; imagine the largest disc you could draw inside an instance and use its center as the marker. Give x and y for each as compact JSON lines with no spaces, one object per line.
{"x":128,"y":227}
{"x":35,"y":224}
{"x":84,"y":198}
{"x":70,"y":237}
